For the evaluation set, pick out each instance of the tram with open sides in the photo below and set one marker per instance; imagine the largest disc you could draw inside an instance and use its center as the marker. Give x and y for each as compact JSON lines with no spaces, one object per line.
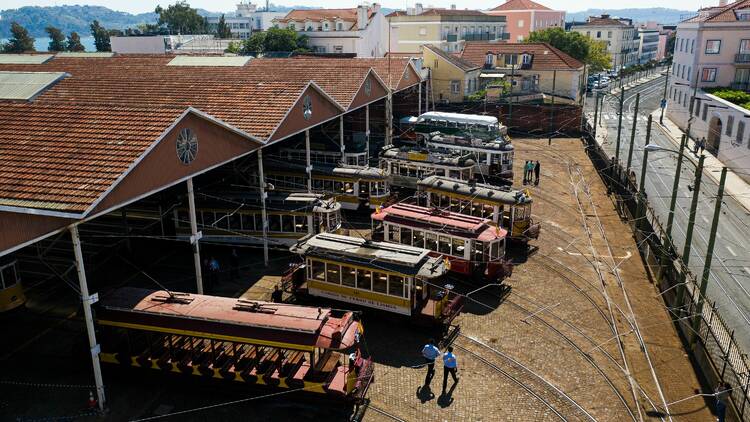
{"x":11,"y":290}
{"x":405,"y":166}
{"x":394,"y":278}
{"x":276,"y":345}
{"x":507,"y":208}
{"x":471,"y":245}
{"x":352,"y":186}
{"x":237,"y":217}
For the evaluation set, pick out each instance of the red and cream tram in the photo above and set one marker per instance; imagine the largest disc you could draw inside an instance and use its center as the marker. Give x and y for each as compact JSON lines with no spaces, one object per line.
{"x":472,"y":245}
{"x":276,"y":345}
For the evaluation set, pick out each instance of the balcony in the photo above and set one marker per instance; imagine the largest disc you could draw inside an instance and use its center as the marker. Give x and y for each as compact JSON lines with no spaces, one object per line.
{"x":451,"y":37}
{"x":742,"y":58}
{"x":486,"y":36}
{"x":742,"y":86}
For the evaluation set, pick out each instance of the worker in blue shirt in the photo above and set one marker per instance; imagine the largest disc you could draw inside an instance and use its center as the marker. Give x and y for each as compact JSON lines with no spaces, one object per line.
{"x":430,"y":352}
{"x":450,"y":366}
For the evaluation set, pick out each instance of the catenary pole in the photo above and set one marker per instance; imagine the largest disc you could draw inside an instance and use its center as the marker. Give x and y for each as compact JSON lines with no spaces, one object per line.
{"x":691,"y":225}
{"x":641,"y":213}
{"x":675,"y":187}
{"x":632,"y":133}
{"x":596,"y":112}
{"x":664,"y":98}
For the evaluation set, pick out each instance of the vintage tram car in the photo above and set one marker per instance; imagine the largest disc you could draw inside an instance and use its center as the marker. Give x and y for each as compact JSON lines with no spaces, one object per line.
{"x":405,"y":166}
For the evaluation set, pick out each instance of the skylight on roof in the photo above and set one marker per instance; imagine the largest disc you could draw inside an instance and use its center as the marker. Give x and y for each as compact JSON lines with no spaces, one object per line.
{"x":24,"y":58}
{"x":218,"y":61}
{"x":94,"y":54}
{"x":26,"y":85}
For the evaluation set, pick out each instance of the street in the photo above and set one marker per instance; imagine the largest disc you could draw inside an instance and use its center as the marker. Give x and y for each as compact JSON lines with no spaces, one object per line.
{"x":729,"y":282}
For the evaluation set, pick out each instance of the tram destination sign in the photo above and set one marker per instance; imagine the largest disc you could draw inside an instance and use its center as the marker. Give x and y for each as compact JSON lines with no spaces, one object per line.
{"x":370,"y":303}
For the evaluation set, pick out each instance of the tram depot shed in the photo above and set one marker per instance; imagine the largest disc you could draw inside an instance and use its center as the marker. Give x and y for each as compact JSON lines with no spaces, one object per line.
{"x":85,"y":136}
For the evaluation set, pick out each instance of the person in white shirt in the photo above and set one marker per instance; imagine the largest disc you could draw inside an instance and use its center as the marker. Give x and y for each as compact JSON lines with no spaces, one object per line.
{"x":450,"y":366}
{"x":430,"y":352}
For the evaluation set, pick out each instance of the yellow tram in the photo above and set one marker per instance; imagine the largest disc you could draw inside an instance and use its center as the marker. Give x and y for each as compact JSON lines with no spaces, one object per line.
{"x":406,"y":166}
{"x":11,"y":290}
{"x":390,"y":277}
{"x":507,"y":208}
{"x":276,"y":345}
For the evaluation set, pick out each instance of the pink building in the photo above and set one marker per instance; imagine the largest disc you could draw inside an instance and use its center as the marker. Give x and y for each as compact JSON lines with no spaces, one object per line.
{"x":525,"y":16}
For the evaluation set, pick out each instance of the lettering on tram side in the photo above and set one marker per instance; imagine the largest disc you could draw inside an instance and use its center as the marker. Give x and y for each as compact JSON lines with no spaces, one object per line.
{"x":370,"y":303}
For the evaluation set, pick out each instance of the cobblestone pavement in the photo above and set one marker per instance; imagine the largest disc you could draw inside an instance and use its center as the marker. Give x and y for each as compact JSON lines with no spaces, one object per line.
{"x":568,"y":341}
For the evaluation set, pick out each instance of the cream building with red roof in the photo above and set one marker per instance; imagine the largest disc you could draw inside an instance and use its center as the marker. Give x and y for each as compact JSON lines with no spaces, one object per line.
{"x":525,"y":16}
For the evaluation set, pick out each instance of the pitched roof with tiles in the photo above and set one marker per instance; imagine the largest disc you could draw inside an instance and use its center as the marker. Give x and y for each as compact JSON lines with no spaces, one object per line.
{"x":66,"y":147}
{"x":601,"y":21}
{"x":457,"y":61}
{"x":388,"y":69}
{"x":720,"y":14}
{"x":436,"y":11}
{"x":521,"y":5}
{"x":545,"y":57}
{"x":319,"y":15}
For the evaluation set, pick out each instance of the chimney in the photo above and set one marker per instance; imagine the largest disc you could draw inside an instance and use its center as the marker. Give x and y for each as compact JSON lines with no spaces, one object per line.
{"x":418,"y":9}
{"x":362,"y":15}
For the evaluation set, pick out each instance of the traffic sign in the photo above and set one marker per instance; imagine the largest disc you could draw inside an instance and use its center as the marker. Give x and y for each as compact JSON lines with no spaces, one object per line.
{"x":663,"y":103}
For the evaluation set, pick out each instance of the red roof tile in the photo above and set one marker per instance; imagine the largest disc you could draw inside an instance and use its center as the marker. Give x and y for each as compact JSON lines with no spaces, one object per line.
{"x":545,"y":57}
{"x":720,"y":14}
{"x":521,"y":5}
{"x":457,"y":61}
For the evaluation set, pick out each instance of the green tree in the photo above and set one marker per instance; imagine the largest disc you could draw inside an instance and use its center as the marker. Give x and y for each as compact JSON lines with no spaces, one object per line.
{"x":20,"y":41}
{"x":74,"y":42}
{"x":671,"y":41}
{"x":576,"y":45}
{"x":180,"y":18}
{"x":222,"y":29}
{"x":101,"y":37}
{"x":57,"y":39}
{"x":255,"y":44}
{"x":234,"y":47}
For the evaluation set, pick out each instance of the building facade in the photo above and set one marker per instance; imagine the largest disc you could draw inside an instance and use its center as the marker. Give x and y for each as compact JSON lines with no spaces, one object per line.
{"x":246,"y":20}
{"x":448,"y":29}
{"x":453,"y":78}
{"x":525,"y":16}
{"x":648,"y":44}
{"x":619,"y":34}
{"x":362,"y":31}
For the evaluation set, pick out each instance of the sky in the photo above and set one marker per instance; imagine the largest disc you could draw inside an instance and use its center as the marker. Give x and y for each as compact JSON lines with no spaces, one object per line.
{"x":140,"y":6}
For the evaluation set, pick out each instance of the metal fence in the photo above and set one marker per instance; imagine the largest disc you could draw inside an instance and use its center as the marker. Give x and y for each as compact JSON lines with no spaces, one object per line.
{"x":706,"y":335}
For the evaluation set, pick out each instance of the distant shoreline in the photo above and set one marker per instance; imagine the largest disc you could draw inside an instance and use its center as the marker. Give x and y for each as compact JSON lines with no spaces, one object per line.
{"x":42,"y":43}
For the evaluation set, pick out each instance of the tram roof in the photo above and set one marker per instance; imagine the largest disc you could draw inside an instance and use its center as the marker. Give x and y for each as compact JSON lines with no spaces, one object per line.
{"x":475,"y":119}
{"x":497,"y":194}
{"x":446,"y":221}
{"x":499,"y":145}
{"x":286,"y":200}
{"x":226,"y":318}
{"x":407,"y":154}
{"x":377,"y":255}
{"x":353,"y":172}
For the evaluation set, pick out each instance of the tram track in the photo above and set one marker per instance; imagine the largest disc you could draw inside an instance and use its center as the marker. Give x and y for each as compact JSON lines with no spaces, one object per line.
{"x":385,"y":413}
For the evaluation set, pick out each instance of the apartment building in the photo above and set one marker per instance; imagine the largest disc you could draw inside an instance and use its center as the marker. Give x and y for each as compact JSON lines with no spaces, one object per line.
{"x":648,"y":44}
{"x":447,"y":29}
{"x":525,"y":16}
{"x":246,"y":20}
{"x":452,"y":77}
{"x":713,"y":50}
{"x":362,"y":30}
{"x":665,"y":31}
{"x":619,"y":34}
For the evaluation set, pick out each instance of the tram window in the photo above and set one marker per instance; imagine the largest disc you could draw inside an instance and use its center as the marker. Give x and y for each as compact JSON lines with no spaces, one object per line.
{"x":396,"y":285}
{"x":234,"y":221}
{"x":318,"y":270}
{"x":379,"y":282}
{"x":418,"y":239}
{"x":455,"y":204}
{"x":444,"y":245}
{"x":328,"y":185}
{"x":300,"y":223}
{"x":333,"y":220}
{"x":459,"y":246}
{"x":412,"y":172}
{"x":258,"y":219}
{"x":477,"y":251}
{"x":222,"y":220}
{"x":466,"y":174}
{"x":333,"y":273}
{"x":9,"y":277}
{"x":394,"y":233}
{"x":317,"y":184}
{"x":348,"y":276}
{"x":274,"y":223}
{"x":440,"y":172}
{"x":519,"y":212}
{"x":287,"y":223}
{"x":487,"y":211}
{"x":364,"y":279}
{"x":434,"y":200}
{"x":494,"y":251}
{"x":406,"y":236}
{"x":183,"y":219}
{"x":403,"y":171}
{"x":338,"y":187}
{"x":348,"y":188}
{"x":247,"y":222}
{"x":208,"y":218}
{"x":430,"y":241}
{"x":453,"y":174}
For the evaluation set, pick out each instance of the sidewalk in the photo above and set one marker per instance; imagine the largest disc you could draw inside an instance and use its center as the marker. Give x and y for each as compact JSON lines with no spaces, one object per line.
{"x":635,"y":83}
{"x":735,"y":186}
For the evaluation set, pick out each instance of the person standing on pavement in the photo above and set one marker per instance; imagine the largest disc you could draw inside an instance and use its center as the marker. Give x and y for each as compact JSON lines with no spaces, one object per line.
{"x":450,"y":366}
{"x":696,"y":145}
{"x":525,"y":172}
{"x":276,"y":295}
{"x":430,"y":352}
{"x":537,"y":169}
{"x":703,"y":144}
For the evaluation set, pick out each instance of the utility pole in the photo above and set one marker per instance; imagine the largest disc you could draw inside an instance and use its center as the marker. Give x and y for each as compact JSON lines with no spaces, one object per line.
{"x":689,"y":232}
{"x":641,"y":213}
{"x":709,"y":253}
{"x":619,"y":130}
{"x":675,"y":186}
{"x":552,"y":108}
{"x":596,"y":111}
{"x":632,"y":133}
{"x":664,"y":99}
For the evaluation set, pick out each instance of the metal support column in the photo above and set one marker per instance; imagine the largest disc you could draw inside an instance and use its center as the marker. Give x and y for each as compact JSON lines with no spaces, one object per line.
{"x":691,"y":225}
{"x":641,"y":213}
{"x":675,"y":187}
{"x":389,"y":118}
{"x":87,"y":300}
{"x":341,"y":137}
{"x":709,"y":252}
{"x":308,"y":167}
{"x":419,"y":99}
{"x":596,"y":112}
{"x":367,"y":133}
{"x":664,"y":98}
{"x":632,"y":132}
{"x":264,"y":216}
{"x":195,"y":236}
{"x":619,"y":129}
